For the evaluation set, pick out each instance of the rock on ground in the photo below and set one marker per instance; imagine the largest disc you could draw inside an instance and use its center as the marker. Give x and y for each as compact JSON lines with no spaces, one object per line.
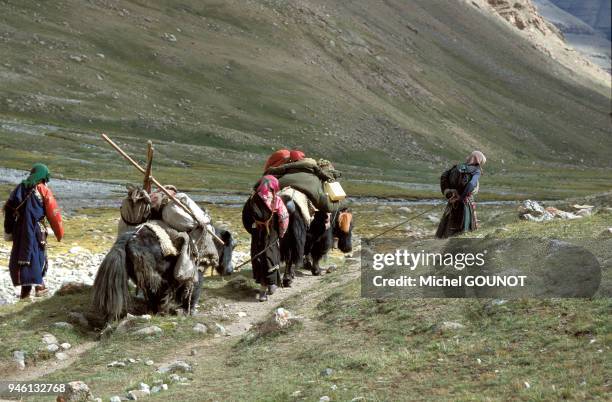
{"x":76,"y":391}
{"x":61,"y":356}
{"x":152,"y":330}
{"x":49,"y":339}
{"x":19,"y":358}
{"x":178,"y":366}
{"x":63,"y":325}
{"x":447,"y":326}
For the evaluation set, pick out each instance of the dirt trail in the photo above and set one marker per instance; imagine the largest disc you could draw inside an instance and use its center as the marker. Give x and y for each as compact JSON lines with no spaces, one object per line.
{"x":257,"y":311}
{"x":47,"y":366}
{"x":254,"y":312}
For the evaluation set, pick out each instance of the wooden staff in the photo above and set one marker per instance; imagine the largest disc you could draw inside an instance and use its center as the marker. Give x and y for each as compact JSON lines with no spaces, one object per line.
{"x":147,"y":179}
{"x":159,"y":185}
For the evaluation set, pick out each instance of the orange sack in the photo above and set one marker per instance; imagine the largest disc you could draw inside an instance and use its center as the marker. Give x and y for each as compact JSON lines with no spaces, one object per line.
{"x":277,"y":158}
{"x":296,"y":155}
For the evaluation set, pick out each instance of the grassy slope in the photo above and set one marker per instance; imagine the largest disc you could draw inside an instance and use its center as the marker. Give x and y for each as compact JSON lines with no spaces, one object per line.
{"x":390,"y":91}
{"x":378,"y":350}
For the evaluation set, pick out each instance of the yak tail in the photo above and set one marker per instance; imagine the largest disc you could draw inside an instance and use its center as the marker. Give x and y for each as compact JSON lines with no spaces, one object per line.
{"x":110,"y":289}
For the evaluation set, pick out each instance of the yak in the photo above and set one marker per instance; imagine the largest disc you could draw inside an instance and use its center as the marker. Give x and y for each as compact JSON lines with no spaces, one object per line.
{"x":305,"y":246}
{"x":137,"y":256}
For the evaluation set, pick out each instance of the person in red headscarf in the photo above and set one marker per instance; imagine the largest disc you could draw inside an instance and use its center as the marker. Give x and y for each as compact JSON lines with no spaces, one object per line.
{"x":265,"y":217}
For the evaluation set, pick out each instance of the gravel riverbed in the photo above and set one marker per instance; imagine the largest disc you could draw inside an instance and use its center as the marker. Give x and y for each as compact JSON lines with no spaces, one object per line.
{"x":77,"y":265}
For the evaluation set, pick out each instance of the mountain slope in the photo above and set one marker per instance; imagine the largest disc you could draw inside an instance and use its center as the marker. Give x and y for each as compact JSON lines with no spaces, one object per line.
{"x":581,"y":36}
{"x":397,"y":88}
{"x":595,"y":13}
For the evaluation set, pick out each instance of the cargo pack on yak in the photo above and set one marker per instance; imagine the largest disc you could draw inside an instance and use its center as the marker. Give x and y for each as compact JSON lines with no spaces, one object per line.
{"x":311,"y":178}
{"x":459,"y":184}
{"x":163,"y":251}
{"x":316,"y":221}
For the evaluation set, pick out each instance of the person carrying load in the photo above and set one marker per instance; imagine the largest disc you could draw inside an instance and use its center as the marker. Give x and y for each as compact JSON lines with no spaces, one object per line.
{"x":265,"y":217}
{"x":24,"y":213}
{"x":459,"y":184}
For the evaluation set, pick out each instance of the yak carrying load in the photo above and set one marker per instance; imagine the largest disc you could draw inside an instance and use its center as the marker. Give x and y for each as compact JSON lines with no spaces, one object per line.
{"x":297,"y":199}
{"x":165,"y":243}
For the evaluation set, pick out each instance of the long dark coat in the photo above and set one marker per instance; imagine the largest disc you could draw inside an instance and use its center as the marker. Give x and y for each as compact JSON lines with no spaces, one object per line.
{"x":262,"y":224}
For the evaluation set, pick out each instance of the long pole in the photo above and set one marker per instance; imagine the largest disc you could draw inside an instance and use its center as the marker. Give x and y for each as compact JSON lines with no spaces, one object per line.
{"x":158,"y":184}
{"x":401,"y":223}
{"x":147,"y":179}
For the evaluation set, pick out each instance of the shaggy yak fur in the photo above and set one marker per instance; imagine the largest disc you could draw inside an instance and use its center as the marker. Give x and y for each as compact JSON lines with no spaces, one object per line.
{"x":137,"y":256}
{"x":305,"y":247}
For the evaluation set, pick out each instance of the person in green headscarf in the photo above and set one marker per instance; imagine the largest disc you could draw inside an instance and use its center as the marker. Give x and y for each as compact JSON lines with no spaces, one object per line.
{"x":38,"y":174}
{"x":24,"y":213}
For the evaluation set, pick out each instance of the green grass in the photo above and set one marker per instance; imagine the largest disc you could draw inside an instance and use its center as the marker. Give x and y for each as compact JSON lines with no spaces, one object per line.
{"x":379,"y":350}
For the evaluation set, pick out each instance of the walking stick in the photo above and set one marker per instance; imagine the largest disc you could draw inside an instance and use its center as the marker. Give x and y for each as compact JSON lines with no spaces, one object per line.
{"x":159,"y":185}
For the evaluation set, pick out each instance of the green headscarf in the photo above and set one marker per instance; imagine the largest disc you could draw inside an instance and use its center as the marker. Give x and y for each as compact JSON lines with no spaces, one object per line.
{"x":38,"y":173}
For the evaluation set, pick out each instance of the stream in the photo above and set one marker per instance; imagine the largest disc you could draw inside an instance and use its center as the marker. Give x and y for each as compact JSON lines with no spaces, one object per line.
{"x":75,"y":194}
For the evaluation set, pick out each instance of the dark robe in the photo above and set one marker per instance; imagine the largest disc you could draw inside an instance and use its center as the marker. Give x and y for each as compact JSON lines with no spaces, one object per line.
{"x":262,"y":224}
{"x":28,"y":262}
{"x":460,"y":216}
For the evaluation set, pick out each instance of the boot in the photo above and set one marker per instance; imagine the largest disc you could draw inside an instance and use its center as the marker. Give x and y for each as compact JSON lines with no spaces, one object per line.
{"x":25,"y":292}
{"x":41,"y":290}
{"x":263,"y":296}
{"x":272,"y":289}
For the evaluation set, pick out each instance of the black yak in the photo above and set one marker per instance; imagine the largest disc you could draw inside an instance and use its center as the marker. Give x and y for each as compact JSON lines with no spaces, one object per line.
{"x":137,"y":255}
{"x":304,"y":246}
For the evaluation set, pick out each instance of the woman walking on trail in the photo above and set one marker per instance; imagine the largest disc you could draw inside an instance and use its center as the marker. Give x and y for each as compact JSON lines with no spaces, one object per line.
{"x":266,"y":218}
{"x":459,"y":184}
{"x":24,"y":213}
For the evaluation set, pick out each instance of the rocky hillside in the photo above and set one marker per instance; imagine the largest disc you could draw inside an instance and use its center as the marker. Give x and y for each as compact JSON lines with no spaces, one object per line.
{"x":584,"y":32}
{"x":596,"y":13}
{"x":391,"y":90}
{"x":542,"y":23}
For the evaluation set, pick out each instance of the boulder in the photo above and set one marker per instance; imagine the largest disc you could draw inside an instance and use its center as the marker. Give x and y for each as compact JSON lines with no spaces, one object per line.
{"x":178,"y":366}
{"x":78,"y":318}
{"x":19,"y":358}
{"x":69,"y":288}
{"x":147,"y":331}
{"x":200,"y":328}
{"x":61,"y":356}
{"x":135,"y":394}
{"x":220,"y":329}
{"x":53,"y":347}
{"x":49,"y":339}
{"x":282,"y":317}
{"x":63,"y":325}
{"x":447,"y":326}
{"x":76,"y":391}
{"x":557,"y":213}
